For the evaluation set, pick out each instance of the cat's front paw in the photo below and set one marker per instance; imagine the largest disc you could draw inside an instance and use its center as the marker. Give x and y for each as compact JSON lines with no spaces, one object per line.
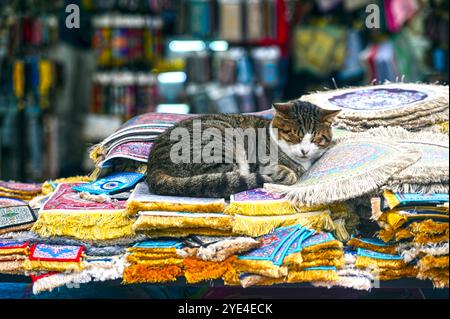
{"x":284,"y":176}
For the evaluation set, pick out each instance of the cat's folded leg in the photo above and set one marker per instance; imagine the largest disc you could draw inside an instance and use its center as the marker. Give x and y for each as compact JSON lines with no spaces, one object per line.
{"x":284,"y":175}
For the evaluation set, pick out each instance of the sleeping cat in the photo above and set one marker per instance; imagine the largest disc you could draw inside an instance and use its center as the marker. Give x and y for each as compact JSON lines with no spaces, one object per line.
{"x":299,"y":132}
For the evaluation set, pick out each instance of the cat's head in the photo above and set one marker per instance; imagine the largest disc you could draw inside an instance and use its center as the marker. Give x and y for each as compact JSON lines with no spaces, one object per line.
{"x":304,"y":129}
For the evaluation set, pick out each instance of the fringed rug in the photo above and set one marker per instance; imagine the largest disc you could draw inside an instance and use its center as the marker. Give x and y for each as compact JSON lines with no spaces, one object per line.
{"x":67,"y":214}
{"x":142,"y":200}
{"x":15,"y":215}
{"x":111,"y":184}
{"x":403,"y":104}
{"x":55,"y":258}
{"x":431,"y":173}
{"x":348,"y":170}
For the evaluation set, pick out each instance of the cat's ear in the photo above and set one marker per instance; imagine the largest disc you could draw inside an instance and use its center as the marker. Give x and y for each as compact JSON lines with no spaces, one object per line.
{"x":284,"y":109}
{"x":328,"y":116}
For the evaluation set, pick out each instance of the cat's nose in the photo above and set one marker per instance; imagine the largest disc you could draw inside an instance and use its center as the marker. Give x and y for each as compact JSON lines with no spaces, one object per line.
{"x":305,"y":152}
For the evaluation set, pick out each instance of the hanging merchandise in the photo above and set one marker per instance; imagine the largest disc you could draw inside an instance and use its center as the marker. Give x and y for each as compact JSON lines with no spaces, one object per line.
{"x":267,"y":66}
{"x":319,"y":50}
{"x":231,"y":20}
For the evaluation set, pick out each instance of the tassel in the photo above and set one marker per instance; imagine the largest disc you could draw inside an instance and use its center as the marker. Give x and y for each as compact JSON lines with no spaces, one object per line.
{"x":144,"y":222}
{"x":185,"y":232}
{"x":256,"y":226}
{"x":312,"y":275}
{"x":58,"y":266}
{"x":260,"y":208}
{"x":137,"y":274}
{"x":363,"y":262}
{"x":341,"y":232}
{"x":357,"y":243}
{"x":393,"y":274}
{"x":134,"y":207}
{"x":338,"y":263}
{"x":198,"y":270}
{"x":260,"y":267}
{"x":155,"y":263}
{"x":256,"y":280}
{"x":323,"y":254}
{"x":430,"y":262}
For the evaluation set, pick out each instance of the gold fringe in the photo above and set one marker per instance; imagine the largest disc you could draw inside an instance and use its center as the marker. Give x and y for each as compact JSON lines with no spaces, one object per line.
{"x":48,"y":189}
{"x":198,"y":270}
{"x":136,"y":274}
{"x":14,"y":251}
{"x":257,"y":280}
{"x":323,"y":254}
{"x":294,"y":259}
{"x":430,"y":227}
{"x":12,"y":267}
{"x":152,"y":256}
{"x":336,"y":244}
{"x":155,"y":250}
{"x":341,"y":232}
{"x":38,"y":265}
{"x":185,"y":232}
{"x":231,"y":277}
{"x":255,"y":226}
{"x":12,"y":257}
{"x":427,"y":239}
{"x":264,"y":208}
{"x":357,"y":243}
{"x":363,"y":262}
{"x":133,"y":207}
{"x":338,"y":263}
{"x":155,"y":263}
{"x":392,"y":274}
{"x":429,"y":262}
{"x":95,"y":225}
{"x":145,"y":222}
{"x":260,"y":267}
{"x":391,"y":199}
{"x":312,"y":275}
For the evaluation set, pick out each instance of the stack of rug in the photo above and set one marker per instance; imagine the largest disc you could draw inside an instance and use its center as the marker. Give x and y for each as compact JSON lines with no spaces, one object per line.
{"x":15,"y":216}
{"x":258,"y":212}
{"x":170,"y":216}
{"x":22,"y":191}
{"x":418,"y":224}
{"x":209,"y":258}
{"x":350,"y":276}
{"x":96,"y":269}
{"x":292,"y":254}
{"x":128,"y":148}
{"x":13,"y":255}
{"x":54,"y":258}
{"x":68,"y":213}
{"x":154,"y":261}
{"x":428,"y":175}
{"x":412,"y":106}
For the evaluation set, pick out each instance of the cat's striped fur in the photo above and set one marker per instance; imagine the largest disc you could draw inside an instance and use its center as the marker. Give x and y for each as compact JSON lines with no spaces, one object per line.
{"x":295,"y":121}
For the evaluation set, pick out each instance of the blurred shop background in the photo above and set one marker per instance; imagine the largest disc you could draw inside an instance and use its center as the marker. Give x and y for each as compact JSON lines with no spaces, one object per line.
{"x":64,"y":89}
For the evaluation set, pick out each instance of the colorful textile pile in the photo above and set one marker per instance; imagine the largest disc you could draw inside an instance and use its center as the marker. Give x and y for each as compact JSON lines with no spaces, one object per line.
{"x":170,"y":216}
{"x":15,"y":215}
{"x":292,"y":255}
{"x":418,"y":225}
{"x":411,"y":106}
{"x":58,"y":258}
{"x":96,"y":269}
{"x":153,"y":261}
{"x":351,"y":169}
{"x":68,"y":214}
{"x":428,"y":175}
{"x":128,"y":148}
{"x":350,"y":276}
{"x":258,"y":212}
{"x":12,"y":257}
{"x":22,"y":191}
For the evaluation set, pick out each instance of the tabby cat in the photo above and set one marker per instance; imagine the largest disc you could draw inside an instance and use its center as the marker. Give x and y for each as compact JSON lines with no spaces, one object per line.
{"x":300,"y":132}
